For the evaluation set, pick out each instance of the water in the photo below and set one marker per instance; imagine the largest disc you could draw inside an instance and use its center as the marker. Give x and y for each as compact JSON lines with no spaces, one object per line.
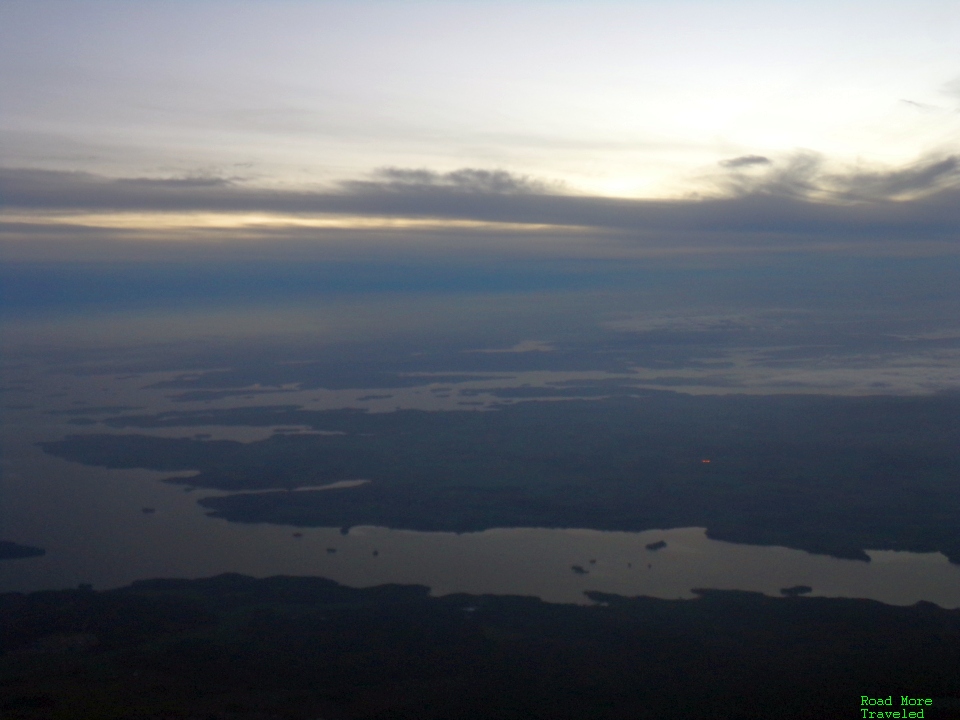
{"x":92,"y":522}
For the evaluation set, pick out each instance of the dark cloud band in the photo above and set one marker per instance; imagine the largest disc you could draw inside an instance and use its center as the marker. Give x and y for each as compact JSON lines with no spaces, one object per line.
{"x":797,"y":200}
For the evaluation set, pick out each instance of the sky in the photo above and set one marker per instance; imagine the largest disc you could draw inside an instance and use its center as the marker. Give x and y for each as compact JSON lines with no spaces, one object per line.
{"x":580,"y":129}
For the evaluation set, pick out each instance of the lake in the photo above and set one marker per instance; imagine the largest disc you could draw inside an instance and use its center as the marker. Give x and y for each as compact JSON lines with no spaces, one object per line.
{"x":93,"y":523}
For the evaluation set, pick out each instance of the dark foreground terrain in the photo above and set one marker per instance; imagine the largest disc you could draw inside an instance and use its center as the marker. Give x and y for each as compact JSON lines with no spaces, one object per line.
{"x":307,"y":648}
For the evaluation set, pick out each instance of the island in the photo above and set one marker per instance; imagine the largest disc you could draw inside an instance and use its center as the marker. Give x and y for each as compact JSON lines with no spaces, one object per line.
{"x":13,"y":551}
{"x":826,"y":474}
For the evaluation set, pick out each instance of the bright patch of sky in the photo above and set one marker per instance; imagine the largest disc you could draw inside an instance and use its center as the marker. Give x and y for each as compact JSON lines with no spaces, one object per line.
{"x":638,"y":99}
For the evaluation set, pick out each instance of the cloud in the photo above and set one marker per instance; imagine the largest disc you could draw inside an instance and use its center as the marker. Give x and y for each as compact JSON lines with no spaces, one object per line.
{"x":745,"y":161}
{"x":794,"y":203}
{"x":189,"y":182}
{"x":805,"y":176}
{"x":466,"y":180}
{"x":922,"y":107}
{"x":952,"y":87}
{"x":922,"y":177}
{"x":793,"y":178}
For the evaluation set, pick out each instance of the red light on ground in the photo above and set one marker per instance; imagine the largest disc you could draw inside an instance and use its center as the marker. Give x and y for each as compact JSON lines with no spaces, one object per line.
{"x":704,"y":461}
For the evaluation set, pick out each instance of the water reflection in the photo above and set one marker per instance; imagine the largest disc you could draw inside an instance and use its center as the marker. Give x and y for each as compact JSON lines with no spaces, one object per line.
{"x":91,"y":522}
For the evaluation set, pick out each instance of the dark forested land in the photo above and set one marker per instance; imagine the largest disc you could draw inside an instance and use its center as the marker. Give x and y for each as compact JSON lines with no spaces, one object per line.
{"x":232,"y":647}
{"x":13,"y":551}
{"x":835,"y":475}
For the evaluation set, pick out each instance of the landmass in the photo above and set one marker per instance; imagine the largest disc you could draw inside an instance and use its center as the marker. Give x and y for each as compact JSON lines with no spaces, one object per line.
{"x":826,"y":474}
{"x":239,"y":648}
{"x":796,"y":590}
{"x":13,"y":551}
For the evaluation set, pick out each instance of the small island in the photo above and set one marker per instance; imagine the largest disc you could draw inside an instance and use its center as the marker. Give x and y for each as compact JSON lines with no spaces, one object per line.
{"x":796,"y":590}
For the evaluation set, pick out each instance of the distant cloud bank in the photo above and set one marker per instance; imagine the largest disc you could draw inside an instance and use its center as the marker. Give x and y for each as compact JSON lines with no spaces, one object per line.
{"x":758,"y":202}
